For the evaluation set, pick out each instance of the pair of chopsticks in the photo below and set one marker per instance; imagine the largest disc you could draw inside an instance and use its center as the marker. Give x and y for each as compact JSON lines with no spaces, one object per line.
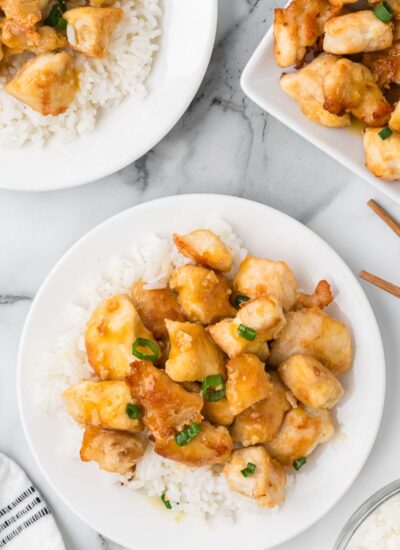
{"x":394,"y":226}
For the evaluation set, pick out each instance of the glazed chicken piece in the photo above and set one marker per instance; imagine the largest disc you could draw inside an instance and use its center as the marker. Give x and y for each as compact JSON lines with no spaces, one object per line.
{"x":114,"y":451}
{"x":306,"y":87}
{"x":297,"y":27}
{"x":382,"y":157}
{"x":20,"y":38}
{"x":47,"y":83}
{"x":202,"y":294}
{"x":89,"y":30}
{"x":261,"y":422}
{"x":357,"y":32}
{"x":301,"y":432}
{"x":193,"y":355}
{"x":350,"y":88}
{"x":213,"y":445}
{"x":312,"y":332}
{"x":394,"y":121}
{"x":155,"y":306}
{"x":247,"y":383}
{"x":321,"y":297}
{"x":311,"y":382}
{"x":267,"y":481}
{"x":384,"y":65}
{"x":205,"y":248}
{"x":25,"y":12}
{"x":263,"y":316}
{"x":168,"y":407}
{"x":112,"y":329}
{"x":218,"y":412}
{"x":258,"y":276}
{"x":102,"y":404}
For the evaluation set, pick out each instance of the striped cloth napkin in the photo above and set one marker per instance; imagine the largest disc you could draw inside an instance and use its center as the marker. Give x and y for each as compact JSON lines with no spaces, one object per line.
{"x":25,"y":521}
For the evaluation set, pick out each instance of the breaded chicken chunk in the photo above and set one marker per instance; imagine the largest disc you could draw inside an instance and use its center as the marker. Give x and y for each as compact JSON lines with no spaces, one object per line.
{"x":19,"y":38}
{"x":384,"y":65}
{"x":350,"y":88}
{"x":213,"y":445}
{"x":25,"y":12}
{"x":155,"y":306}
{"x":102,"y":404}
{"x":310,"y":331}
{"x":168,"y":407}
{"x":114,"y":451}
{"x":306,"y":87}
{"x":256,"y":322}
{"x":261,"y":422}
{"x":297,"y":27}
{"x":205,"y":248}
{"x":357,"y":32}
{"x":110,"y":332}
{"x":258,"y":276}
{"x":266,"y":478}
{"x":311,"y":382}
{"x":321,"y":297}
{"x":47,"y":83}
{"x":301,"y":432}
{"x":89,"y":29}
{"x":248,"y":382}
{"x":202,"y":294}
{"x":382,"y":156}
{"x":218,"y":412}
{"x":193,"y":354}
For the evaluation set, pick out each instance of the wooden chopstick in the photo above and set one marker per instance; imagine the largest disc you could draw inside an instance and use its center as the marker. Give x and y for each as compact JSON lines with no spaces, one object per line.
{"x":381,"y":283}
{"x":385,"y":217}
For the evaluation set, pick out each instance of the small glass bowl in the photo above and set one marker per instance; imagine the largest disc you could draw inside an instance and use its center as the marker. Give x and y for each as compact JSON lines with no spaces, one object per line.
{"x":364,"y":511}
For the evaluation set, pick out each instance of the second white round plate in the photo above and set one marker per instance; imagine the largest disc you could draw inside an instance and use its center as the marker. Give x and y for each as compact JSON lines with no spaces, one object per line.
{"x":130,"y":518}
{"x":125,"y":133}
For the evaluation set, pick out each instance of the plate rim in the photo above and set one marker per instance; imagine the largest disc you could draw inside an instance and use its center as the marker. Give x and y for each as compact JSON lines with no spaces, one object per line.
{"x":210,"y":197}
{"x":384,"y":187}
{"x":84,"y":180}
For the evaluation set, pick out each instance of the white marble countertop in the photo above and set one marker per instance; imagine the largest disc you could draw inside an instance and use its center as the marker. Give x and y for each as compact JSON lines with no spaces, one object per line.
{"x":223,"y":144}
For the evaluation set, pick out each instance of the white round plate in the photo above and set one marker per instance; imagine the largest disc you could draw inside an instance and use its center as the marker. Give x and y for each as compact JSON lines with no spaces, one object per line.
{"x":127,"y":132}
{"x":130,"y":518}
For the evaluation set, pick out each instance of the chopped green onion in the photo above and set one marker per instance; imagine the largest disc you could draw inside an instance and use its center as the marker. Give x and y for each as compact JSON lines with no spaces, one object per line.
{"x":299,"y":462}
{"x":246,"y":332}
{"x":384,"y":12}
{"x":385,"y":133}
{"x":133,"y":411}
{"x":145,"y":343}
{"x":185,"y":436}
{"x":166,"y":502}
{"x":213,"y":388}
{"x":55,"y":17}
{"x":240,"y":299}
{"x":249,"y":470}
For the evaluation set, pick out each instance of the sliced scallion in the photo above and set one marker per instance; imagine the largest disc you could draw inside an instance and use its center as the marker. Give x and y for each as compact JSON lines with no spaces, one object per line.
{"x":166,"y":502}
{"x":213,"y":388}
{"x":299,"y":462}
{"x":133,"y":411}
{"x":249,"y":470}
{"x":185,"y":436}
{"x":240,"y":299}
{"x":384,"y":12}
{"x":247,"y":333}
{"x":385,"y":133}
{"x":145,"y":343}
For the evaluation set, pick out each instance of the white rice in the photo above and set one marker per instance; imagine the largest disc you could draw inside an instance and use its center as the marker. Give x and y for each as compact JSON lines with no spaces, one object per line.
{"x":199,"y":491}
{"x":103,"y":83}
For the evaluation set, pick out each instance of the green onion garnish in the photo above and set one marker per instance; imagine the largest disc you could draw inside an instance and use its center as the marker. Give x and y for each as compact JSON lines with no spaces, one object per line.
{"x":249,"y":470}
{"x":240,"y":299}
{"x":385,"y":133}
{"x":133,"y":411}
{"x":384,"y":12}
{"x":144,"y":343}
{"x":246,"y":332}
{"x":299,"y":462}
{"x":55,"y":18}
{"x":213,"y":388}
{"x":166,"y":502}
{"x":185,"y":436}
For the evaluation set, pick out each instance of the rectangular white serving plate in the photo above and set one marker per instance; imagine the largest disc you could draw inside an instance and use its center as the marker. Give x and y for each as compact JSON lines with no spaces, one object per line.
{"x":260,"y":82}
